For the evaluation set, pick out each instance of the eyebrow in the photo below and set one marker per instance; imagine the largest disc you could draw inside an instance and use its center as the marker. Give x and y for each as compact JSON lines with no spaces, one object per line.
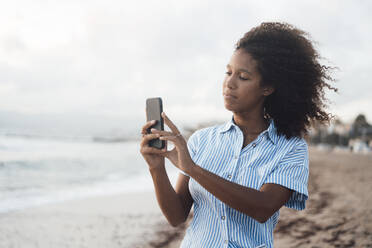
{"x":244,"y":70}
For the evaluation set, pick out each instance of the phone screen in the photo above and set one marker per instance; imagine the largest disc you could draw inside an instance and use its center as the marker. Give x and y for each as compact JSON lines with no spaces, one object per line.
{"x":154,"y":108}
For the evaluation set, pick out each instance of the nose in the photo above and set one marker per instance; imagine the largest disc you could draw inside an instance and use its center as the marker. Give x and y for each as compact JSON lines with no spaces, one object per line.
{"x":230,"y":82}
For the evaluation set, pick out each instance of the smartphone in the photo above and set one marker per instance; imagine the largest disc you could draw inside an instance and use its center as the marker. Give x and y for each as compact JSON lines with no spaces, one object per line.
{"x":154,"y":108}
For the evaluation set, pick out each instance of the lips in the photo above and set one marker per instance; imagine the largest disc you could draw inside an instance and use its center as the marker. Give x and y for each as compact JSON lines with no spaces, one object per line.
{"x":229,"y":95}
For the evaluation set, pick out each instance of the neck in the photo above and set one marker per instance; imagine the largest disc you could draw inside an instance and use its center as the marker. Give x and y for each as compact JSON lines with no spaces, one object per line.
{"x":251,"y":124}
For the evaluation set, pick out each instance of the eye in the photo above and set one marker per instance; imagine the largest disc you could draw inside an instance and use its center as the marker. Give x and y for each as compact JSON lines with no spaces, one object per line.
{"x":228,"y":73}
{"x":242,"y":78}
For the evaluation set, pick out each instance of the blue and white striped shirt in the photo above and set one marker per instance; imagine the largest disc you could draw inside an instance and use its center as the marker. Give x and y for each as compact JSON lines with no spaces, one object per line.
{"x":270,"y":158}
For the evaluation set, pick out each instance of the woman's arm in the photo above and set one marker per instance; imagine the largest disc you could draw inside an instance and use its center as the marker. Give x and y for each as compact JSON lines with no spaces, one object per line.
{"x":174,"y":203}
{"x":258,"y":204}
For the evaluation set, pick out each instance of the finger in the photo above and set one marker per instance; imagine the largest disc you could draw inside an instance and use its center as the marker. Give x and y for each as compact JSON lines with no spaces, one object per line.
{"x":162,"y":133}
{"x":169,"y":123}
{"x":151,"y":150}
{"x":147,"y":125}
{"x":175,"y":139}
{"x":169,"y":138}
{"x":146,"y":138}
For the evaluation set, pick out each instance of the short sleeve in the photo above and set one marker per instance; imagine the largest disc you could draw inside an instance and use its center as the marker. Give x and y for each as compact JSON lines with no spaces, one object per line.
{"x":192,"y":147}
{"x":292,"y":172}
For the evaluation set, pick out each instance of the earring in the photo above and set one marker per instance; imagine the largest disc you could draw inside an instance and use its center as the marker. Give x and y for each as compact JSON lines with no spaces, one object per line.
{"x":266,"y":92}
{"x":266,"y":115}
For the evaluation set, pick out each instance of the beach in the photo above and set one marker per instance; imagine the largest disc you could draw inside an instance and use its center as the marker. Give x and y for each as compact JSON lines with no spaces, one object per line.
{"x":127,"y":220}
{"x":338,"y":214}
{"x":339,"y":209}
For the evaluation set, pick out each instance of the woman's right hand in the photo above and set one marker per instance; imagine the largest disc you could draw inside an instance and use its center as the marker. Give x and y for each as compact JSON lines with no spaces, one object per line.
{"x":153,"y":156}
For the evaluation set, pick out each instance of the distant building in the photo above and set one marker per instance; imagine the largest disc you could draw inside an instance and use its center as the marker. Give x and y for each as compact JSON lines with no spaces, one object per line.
{"x":357,"y":136}
{"x":359,"y":146}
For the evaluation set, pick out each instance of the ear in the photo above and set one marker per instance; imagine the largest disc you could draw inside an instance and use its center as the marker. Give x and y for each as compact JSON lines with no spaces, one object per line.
{"x":268,"y":90}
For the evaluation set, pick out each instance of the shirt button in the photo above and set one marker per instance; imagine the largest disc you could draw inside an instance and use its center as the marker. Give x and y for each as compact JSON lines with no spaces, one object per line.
{"x":229,"y":176}
{"x":254,"y":145}
{"x":226,"y":241}
{"x":236,"y":157}
{"x":222,"y":217}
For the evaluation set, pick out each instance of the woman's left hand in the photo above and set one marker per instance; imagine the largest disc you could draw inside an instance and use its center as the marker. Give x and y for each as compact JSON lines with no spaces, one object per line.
{"x":179,"y":155}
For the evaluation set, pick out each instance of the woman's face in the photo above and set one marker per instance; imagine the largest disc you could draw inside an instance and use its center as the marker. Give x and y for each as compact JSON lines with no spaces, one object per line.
{"x":242,"y":91}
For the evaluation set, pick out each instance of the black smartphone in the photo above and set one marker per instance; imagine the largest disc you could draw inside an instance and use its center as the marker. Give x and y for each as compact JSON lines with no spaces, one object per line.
{"x":154,"y":108}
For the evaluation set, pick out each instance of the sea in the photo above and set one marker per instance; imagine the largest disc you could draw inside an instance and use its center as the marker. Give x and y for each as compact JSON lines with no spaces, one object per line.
{"x":37,"y":170}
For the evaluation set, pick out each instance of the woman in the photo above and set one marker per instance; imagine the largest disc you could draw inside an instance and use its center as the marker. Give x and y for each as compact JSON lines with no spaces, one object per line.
{"x":239,"y":174}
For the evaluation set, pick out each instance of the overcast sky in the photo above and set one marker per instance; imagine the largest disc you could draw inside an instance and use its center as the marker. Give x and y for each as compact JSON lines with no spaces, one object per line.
{"x":102,"y":59}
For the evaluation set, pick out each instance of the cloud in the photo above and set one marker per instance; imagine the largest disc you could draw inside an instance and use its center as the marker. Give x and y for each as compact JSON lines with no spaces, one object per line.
{"x":349,"y":111}
{"x":105,"y":57}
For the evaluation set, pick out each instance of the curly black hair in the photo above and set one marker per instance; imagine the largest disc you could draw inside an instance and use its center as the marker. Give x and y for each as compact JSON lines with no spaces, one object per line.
{"x":287,"y":61}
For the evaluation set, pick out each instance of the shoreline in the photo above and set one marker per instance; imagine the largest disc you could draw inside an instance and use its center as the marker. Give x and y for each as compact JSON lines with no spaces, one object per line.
{"x":338,"y":214}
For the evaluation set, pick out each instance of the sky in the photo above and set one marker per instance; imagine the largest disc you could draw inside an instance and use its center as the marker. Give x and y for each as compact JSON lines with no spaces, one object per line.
{"x":87,"y":66}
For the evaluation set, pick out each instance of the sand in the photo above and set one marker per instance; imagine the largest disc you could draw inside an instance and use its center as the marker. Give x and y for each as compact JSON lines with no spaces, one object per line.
{"x":338,"y":214}
{"x":128,"y":220}
{"x":339,"y":209}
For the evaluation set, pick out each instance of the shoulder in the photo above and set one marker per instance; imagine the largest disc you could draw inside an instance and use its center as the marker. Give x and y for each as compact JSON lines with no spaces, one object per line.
{"x":289,"y":144}
{"x":205,"y":135}
{"x":294,"y":149}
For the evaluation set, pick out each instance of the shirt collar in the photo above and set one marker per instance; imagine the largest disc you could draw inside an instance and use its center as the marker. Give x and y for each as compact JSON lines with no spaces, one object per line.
{"x":270,"y":131}
{"x":228,"y":125}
